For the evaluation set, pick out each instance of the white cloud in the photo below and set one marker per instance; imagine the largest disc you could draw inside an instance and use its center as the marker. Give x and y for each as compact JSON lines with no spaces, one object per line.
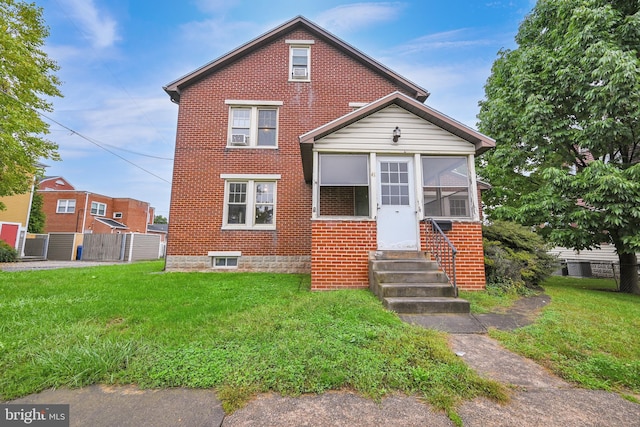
{"x":352,"y":17}
{"x":454,"y":39}
{"x":96,"y":25}
{"x":217,"y":34}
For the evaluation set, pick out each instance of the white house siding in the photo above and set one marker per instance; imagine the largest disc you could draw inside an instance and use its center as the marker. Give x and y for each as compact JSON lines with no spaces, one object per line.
{"x":601,"y":260}
{"x":374,"y":133}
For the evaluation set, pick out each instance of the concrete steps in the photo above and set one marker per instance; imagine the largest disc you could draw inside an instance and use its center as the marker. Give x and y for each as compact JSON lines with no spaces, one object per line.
{"x":410,"y":282}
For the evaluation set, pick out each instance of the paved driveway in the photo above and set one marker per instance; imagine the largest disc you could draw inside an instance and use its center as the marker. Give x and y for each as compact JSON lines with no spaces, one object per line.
{"x":50,"y":265}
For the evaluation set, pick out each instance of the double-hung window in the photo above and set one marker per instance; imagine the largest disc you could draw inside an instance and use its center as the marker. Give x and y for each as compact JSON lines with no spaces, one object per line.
{"x":253,"y":124}
{"x":98,"y":208}
{"x":66,"y":206}
{"x":445,"y":185}
{"x":250,"y":202}
{"x":299,"y":60}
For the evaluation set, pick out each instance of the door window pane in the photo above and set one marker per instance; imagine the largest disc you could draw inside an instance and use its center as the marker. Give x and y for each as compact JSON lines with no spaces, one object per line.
{"x":394,"y":184}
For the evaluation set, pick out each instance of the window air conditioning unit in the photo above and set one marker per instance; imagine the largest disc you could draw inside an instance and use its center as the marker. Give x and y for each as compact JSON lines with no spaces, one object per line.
{"x":299,"y":73}
{"x":117,"y":215}
{"x":239,"y":139}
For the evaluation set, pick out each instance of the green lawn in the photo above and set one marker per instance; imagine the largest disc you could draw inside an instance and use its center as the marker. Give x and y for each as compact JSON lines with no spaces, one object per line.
{"x":588,"y":334}
{"x":238,"y":333}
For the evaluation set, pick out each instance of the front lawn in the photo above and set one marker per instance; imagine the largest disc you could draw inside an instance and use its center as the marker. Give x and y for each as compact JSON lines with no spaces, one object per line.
{"x":588,"y":334}
{"x":238,"y":333}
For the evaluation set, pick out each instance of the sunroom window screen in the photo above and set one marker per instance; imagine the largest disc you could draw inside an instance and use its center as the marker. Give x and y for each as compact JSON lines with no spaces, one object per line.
{"x":446,"y":184}
{"x":344,"y":170}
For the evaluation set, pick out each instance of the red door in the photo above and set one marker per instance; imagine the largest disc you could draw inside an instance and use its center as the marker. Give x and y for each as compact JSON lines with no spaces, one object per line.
{"x":9,"y":233}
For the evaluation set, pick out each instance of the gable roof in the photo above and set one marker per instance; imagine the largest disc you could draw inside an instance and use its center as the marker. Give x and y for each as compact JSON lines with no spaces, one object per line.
{"x":481,"y":142}
{"x":174,"y":88}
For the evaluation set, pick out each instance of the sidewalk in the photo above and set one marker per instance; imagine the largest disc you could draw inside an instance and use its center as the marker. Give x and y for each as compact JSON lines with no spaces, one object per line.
{"x":539,"y":398}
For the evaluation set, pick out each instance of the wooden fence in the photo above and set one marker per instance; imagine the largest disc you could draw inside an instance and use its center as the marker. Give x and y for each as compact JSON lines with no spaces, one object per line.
{"x":120,"y":247}
{"x":103,"y":247}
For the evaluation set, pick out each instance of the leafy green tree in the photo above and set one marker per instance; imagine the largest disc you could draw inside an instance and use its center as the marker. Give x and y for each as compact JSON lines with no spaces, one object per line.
{"x":159,"y":219}
{"x":37,"y":216}
{"x":27,"y":84}
{"x":564,"y":108}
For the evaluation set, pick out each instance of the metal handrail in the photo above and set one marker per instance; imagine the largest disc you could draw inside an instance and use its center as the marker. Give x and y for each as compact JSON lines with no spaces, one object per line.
{"x":441,"y":248}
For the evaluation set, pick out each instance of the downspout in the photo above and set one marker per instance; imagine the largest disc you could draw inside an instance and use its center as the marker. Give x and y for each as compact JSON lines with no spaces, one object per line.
{"x":146,"y":225}
{"x":26,"y":225}
{"x":84,"y":218}
{"x":33,"y":189}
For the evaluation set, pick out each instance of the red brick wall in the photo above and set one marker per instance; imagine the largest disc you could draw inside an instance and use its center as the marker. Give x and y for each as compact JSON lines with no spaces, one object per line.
{"x":63,"y":222}
{"x":337,"y":201}
{"x":340,"y":253}
{"x":134,"y":212}
{"x":467,"y":239}
{"x":201,"y":155}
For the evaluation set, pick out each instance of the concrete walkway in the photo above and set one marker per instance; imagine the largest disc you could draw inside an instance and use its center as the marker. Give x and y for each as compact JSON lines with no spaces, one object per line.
{"x":51,"y":265}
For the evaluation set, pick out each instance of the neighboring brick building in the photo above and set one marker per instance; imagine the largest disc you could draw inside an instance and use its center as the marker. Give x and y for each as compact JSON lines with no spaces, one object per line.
{"x":71,"y":210}
{"x":298,"y":153}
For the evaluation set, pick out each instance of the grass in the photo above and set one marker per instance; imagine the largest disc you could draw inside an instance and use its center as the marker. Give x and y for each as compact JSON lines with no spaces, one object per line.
{"x":588,"y":335}
{"x":496,"y":297}
{"x":238,"y":333}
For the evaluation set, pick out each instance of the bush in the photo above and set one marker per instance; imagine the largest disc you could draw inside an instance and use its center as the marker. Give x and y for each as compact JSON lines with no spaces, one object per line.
{"x":515,"y":257}
{"x":7,"y":253}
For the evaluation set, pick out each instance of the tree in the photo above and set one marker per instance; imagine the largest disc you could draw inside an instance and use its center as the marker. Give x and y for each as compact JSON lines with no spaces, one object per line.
{"x":564,"y":108}
{"x":27,"y":83}
{"x":159,"y":219}
{"x":37,"y":216}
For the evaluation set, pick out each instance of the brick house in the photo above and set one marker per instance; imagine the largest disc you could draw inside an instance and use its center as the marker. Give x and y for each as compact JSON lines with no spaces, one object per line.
{"x":296,"y":152}
{"x":75,"y":211}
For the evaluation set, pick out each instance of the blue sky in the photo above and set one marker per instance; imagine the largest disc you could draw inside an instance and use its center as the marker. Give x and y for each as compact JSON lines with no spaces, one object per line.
{"x":115,"y":56}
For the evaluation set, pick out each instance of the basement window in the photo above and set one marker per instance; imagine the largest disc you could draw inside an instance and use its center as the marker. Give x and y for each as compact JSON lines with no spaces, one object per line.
{"x":225,"y":262}
{"x":224,"y":259}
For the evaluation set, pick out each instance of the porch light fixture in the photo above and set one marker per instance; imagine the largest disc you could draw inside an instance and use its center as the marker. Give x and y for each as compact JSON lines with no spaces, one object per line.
{"x":396,"y":135}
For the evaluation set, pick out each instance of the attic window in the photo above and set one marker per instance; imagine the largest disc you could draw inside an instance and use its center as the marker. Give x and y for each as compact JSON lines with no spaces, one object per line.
{"x":300,"y":60}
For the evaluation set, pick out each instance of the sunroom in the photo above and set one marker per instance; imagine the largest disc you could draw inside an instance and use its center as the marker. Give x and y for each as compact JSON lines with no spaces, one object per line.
{"x":376,"y":174}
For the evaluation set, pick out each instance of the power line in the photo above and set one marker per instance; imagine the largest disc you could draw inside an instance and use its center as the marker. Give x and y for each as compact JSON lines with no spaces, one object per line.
{"x":84,"y":137}
{"x":84,"y":35}
{"x":124,"y":149}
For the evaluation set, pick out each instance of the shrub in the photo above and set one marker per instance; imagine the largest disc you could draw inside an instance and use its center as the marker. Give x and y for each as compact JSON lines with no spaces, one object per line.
{"x":7,"y":253}
{"x":515,"y":257}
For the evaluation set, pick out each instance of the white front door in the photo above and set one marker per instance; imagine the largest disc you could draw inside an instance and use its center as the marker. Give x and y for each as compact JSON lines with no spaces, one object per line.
{"x":397,"y":220}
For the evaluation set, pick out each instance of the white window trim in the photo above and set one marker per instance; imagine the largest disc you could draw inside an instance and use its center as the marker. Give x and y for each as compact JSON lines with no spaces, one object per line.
{"x":250,"y":180}
{"x":240,"y":103}
{"x":66,"y":206}
{"x":302,"y":44}
{"x":223,"y":254}
{"x":472,"y":199}
{"x":253,"y":126}
{"x":98,"y":209}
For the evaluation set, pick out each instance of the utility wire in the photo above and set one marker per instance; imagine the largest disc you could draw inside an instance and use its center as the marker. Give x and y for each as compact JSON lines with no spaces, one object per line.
{"x":84,"y":35}
{"x":83,"y":137}
{"x":115,"y":147}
